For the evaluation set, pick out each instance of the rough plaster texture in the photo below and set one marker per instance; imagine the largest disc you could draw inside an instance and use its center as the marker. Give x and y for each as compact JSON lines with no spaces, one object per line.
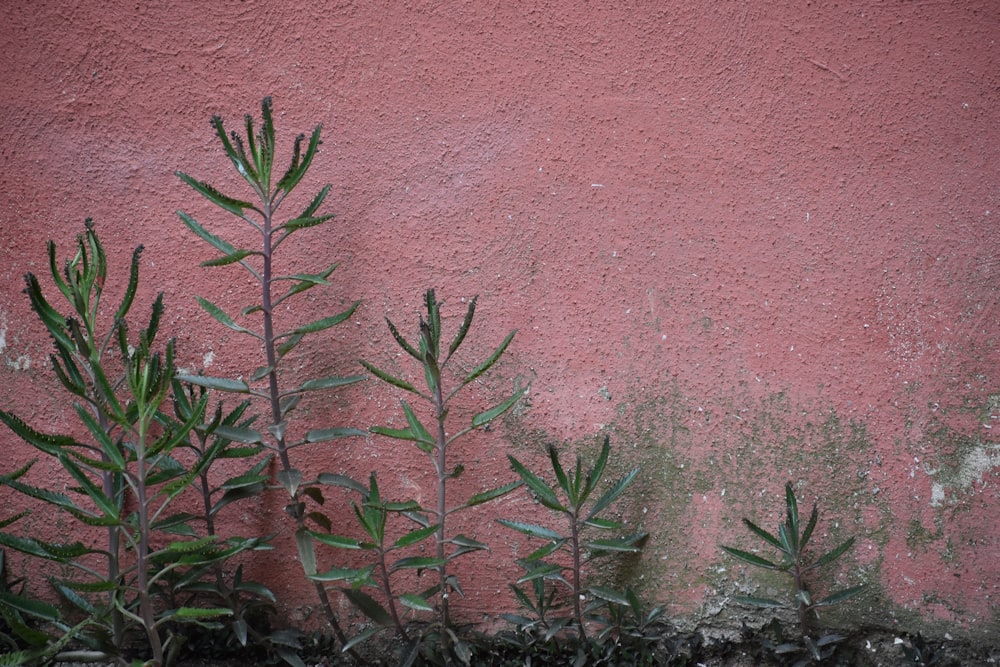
{"x":754,"y":241}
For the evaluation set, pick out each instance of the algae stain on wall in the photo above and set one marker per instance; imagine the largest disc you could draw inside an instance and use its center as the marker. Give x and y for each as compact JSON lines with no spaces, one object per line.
{"x":707,"y":464}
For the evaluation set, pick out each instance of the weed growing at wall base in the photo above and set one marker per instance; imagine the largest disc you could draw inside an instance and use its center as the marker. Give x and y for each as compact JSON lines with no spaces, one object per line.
{"x":791,"y":542}
{"x":253,"y":158}
{"x":125,"y":478}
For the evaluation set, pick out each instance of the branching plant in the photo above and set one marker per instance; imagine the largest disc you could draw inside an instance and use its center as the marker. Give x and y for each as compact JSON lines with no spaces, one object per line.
{"x":791,"y":542}
{"x":253,"y":159}
{"x":126,"y":475}
{"x":572,"y":495}
{"x":434,"y":435}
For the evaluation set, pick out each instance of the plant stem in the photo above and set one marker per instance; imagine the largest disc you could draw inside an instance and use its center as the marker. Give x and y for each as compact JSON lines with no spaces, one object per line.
{"x":442,"y":474}
{"x":274,"y":395}
{"x":577,"y":567}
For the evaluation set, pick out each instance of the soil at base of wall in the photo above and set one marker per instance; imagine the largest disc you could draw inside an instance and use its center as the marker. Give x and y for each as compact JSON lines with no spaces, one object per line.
{"x":863,"y":648}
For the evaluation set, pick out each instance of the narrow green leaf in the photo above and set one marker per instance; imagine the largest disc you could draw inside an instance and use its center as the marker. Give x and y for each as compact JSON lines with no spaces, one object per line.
{"x":810,"y":525}
{"x":333,"y":479}
{"x":545,"y":550}
{"x":464,"y":329}
{"x":840,"y":596}
{"x":342,"y":574}
{"x":386,"y":377}
{"x":237,"y":434}
{"x":595,"y":474}
{"x":36,"y":608}
{"x":612,"y":494}
{"x":334,"y":433}
{"x":763,"y":534}
{"x":231,"y":204}
{"x":466,"y":544}
{"x":403,"y":343}
{"x":106,"y":505}
{"x":197,"y":613}
{"x":531,"y":530}
{"x":237,"y":256}
{"x":361,"y":637}
{"x":415,"y":536}
{"x":543,"y":571}
{"x":486,"y":417}
{"x":610,"y":595}
{"x":368,"y":606}
{"x":307,"y":553}
{"x":561,"y":479}
{"x":43,"y":441}
{"x":302,"y":223}
{"x":224,"y":319}
{"x":324,"y":323}
{"x":213,"y":240}
{"x":542,"y":491}
{"x":218,"y":384}
{"x":492,"y":494}
{"x":603,"y":524}
{"x":338,"y":541}
{"x":298,"y":169}
{"x":753,"y":559}
{"x":316,"y":202}
{"x":792,"y":511}
{"x":493,"y":358}
{"x":623,"y":544}
{"x":833,"y":555}
{"x":331,"y":382}
{"x":421,"y":433}
{"x":415,"y":602}
{"x":397,"y":433}
{"x":418,"y":563}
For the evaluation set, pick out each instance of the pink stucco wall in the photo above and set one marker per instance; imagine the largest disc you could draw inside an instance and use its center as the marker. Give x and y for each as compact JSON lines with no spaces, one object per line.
{"x":753,"y":241}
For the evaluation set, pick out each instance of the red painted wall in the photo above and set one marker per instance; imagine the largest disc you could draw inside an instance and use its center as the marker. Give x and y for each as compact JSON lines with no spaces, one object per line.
{"x":752,"y":241}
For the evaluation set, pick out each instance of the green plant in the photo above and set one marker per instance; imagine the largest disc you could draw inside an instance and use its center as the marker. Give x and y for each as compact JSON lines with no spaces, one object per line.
{"x":254,"y":160}
{"x":791,"y":542}
{"x":435,"y":441}
{"x":250,"y":603}
{"x":581,"y":512}
{"x":127,"y":477}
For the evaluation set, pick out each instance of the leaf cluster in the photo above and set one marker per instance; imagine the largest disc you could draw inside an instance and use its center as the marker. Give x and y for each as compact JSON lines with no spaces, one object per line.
{"x":573,"y":495}
{"x":791,"y":541}
{"x":135,"y":462}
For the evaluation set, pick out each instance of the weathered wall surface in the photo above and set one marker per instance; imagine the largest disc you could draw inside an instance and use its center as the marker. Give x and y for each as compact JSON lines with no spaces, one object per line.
{"x":753,"y":241}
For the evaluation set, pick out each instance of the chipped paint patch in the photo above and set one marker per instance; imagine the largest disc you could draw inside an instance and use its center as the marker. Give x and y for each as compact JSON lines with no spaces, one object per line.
{"x":974,"y":465}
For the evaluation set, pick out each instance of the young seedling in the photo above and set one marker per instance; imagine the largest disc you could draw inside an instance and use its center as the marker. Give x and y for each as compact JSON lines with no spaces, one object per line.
{"x":253,"y":158}
{"x":791,"y":542}
{"x":573,"y":496}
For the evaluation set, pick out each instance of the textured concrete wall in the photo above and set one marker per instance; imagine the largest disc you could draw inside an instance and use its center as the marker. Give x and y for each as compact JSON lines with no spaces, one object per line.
{"x":753,"y":241}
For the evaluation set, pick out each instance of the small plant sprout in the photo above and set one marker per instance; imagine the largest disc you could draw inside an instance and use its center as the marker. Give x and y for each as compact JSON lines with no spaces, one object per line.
{"x":573,"y":495}
{"x":791,"y":542}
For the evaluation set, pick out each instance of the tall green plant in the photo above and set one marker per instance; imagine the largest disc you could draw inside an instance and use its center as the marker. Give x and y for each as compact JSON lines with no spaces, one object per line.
{"x":433,"y":434}
{"x":126,"y":476}
{"x":253,"y":157}
{"x":573,"y":496}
